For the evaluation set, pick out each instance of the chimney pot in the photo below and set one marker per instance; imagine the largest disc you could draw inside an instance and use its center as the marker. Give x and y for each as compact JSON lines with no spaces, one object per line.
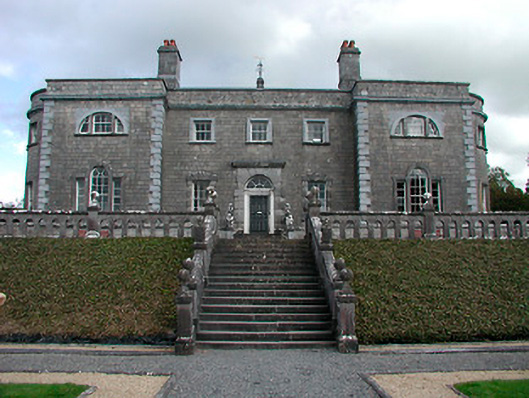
{"x":173,"y":43}
{"x":166,"y":42}
{"x":351,"y":44}
{"x":344,"y":44}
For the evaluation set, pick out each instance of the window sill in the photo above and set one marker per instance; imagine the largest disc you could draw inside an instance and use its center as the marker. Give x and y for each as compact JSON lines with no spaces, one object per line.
{"x":202,"y":142}
{"x":101,"y":135}
{"x":411,"y":137}
{"x":311,"y":143}
{"x":259,"y":142}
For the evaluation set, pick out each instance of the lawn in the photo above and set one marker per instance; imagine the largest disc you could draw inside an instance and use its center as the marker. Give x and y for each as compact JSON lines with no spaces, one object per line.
{"x":90,"y":289}
{"x":495,"y":389}
{"x":419,"y":291}
{"x":41,"y":390}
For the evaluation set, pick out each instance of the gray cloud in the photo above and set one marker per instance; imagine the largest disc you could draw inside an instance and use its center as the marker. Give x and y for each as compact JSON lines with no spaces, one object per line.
{"x":299,"y":41}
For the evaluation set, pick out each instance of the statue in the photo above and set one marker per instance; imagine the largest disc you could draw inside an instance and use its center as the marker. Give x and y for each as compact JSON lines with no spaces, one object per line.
{"x":289,"y":219}
{"x":230,"y":217}
{"x":312,"y":195}
{"x":94,"y":202}
{"x":211,"y":194}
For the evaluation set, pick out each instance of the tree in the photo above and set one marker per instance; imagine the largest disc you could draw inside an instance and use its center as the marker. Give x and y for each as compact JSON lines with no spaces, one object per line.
{"x":504,"y":196}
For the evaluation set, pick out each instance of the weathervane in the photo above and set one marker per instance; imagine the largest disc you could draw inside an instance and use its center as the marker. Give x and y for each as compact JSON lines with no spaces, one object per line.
{"x":260,"y":80}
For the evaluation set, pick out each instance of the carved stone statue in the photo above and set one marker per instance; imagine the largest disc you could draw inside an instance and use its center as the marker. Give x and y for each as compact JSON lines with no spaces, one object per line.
{"x":289,"y":219}
{"x":211,"y":194}
{"x":230,"y":217}
{"x":312,"y":195}
{"x":94,"y":201}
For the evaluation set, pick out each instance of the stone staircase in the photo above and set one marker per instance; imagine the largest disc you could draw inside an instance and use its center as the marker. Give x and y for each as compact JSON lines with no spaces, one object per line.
{"x":264,"y":292}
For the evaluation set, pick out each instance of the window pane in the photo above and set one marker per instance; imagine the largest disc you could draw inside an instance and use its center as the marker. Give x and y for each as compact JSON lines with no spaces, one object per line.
{"x":259,"y":130}
{"x":85,"y":126}
{"x":401,"y":195}
{"x":203,"y":130}
{"x":259,"y":182}
{"x":116,"y":197}
{"x":436,"y":195}
{"x":414,"y":126}
{"x":315,"y":131}
{"x":102,"y":123}
{"x":99,"y":184}
{"x":79,"y":194}
{"x":199,"y":194}
{"x":417,"y":191}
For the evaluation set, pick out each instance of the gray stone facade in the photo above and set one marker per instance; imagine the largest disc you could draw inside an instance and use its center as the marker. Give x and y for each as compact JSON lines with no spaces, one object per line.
{"x":151,"y":145}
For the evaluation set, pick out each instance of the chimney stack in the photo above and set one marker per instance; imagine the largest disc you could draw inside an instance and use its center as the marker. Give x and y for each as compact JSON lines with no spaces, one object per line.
{"x":169,"y":61}
{"x":348,"y":65}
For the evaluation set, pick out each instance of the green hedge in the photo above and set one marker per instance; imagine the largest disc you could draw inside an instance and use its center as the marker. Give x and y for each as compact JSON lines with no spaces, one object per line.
{"x":433,"y":291}
{"x":91,"y":289}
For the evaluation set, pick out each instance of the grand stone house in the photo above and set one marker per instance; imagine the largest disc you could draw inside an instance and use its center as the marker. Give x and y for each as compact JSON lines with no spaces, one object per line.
{"x":149,"y":144}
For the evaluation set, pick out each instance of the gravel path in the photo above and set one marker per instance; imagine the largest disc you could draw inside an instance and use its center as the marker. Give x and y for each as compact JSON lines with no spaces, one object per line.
{"x":269,"y":373}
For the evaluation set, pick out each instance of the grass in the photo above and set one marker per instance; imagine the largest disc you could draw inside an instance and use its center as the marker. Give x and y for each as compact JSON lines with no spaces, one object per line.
{"x":41,"y":390}
{"x":92,"y":289}
{"x":495,"y":389}
{"x":420,"y":291}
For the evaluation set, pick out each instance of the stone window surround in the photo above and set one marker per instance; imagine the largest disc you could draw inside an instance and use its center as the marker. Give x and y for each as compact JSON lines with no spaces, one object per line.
{"x":325,"y":138}
{"x":481,"y":141}
{"x":434,"y":117}
{"x":193,"y":132}
{"x":87,"y":181}
{"x":33,"y":133}
{"x":122,"y":114}
{"x":249,"y":139}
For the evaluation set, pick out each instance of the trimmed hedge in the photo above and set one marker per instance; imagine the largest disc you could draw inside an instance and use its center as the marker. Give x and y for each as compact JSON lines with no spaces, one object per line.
{"x":434,"y":291}
{"x":90,"y":289}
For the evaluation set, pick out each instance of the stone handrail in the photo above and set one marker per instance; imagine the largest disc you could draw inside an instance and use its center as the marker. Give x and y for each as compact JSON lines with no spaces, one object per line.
{"x":113,"y":225}
{"x":335,"y":278}
{"x":497,"y":225}
{"x":193,"y":279}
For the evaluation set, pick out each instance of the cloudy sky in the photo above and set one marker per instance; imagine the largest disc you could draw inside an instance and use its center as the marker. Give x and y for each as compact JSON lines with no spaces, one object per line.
{"x":485,"y":43}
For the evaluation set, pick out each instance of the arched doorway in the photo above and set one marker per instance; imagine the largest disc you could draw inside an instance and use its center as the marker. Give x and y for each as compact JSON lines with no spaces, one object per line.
{"x":259,"y":205}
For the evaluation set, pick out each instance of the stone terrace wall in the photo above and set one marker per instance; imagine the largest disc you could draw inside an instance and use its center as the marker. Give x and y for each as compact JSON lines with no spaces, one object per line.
{"x":111,"y":225}
{"x":447,"y":225}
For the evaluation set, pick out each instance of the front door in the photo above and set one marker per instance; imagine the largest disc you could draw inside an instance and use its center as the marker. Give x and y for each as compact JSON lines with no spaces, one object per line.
{"x":258,"y":214}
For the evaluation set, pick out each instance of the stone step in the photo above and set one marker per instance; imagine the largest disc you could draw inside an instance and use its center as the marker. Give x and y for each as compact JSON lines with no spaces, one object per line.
{"x":261,"y":272}
{"x":266,"y":285}
{"x":264,"y":279}
{"x":260,"y":326}
{"x":271,"y":317}
{"x":265,"y":308}
{"x":287,"y":301}
{"x":261,"y":260}
{"x":210,"y":292}
{"x":292,"y":335}
{"x":222,"y":267}
{"x":264,"y":345}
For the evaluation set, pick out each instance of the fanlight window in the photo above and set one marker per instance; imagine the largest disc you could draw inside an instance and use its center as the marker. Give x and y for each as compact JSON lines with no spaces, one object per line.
{"x":101,"y":123}
{"x":259,"y":182}
{"x":416,"y":126}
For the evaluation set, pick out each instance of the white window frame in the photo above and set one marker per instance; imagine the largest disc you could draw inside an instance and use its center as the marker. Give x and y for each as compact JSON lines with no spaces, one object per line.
{"x":429,"y":128}
{"x":89,"y":125}
{"x":193,"y":132}
{"x":198,"y":194}
{"x":325,"y":133}
{"x":80,"y":194}
{"x":101,"y":181}
{"x":249,"y":130}
{"x":408,"y":203}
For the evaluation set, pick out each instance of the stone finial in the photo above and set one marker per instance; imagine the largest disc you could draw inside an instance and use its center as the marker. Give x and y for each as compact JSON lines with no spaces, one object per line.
{"x":3,"y":298}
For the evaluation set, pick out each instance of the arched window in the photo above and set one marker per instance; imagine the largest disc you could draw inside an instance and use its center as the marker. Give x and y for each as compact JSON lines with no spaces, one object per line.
{"x":416,"y":126}
{"x":259,"y":182}
{"x":99,"y":184}
{"x":410,"y":192}
{"x":101,"y":123}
